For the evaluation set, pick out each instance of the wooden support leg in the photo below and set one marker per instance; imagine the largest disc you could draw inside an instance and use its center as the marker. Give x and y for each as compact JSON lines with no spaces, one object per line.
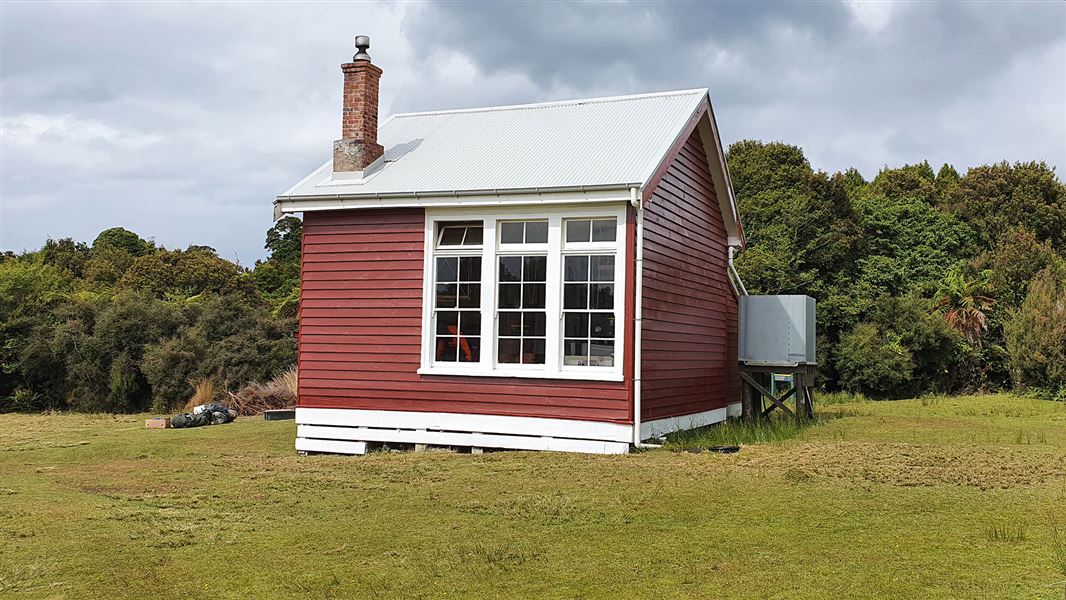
{"x":747,"y":401}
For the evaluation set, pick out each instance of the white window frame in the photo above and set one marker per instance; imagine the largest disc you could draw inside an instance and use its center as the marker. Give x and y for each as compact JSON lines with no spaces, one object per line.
{"x":555,"y":215}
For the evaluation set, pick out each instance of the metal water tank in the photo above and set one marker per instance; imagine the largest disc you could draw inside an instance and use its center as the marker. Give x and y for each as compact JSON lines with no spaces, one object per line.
{"x":777,"y":330}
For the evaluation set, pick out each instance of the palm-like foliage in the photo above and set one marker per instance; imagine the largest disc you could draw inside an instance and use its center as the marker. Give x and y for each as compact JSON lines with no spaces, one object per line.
{"x":961,"y":299}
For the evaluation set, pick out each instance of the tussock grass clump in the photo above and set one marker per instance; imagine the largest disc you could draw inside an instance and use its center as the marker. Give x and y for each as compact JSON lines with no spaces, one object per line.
{"x":203,"y":393}
{"x":254,"y":398}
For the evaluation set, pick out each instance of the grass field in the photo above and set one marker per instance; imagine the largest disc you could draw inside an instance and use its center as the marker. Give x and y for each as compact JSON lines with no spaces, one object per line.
{"x":933,"y":498}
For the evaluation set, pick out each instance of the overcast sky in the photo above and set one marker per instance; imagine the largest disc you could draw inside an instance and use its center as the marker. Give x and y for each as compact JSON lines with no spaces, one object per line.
{"x":183,"y":121}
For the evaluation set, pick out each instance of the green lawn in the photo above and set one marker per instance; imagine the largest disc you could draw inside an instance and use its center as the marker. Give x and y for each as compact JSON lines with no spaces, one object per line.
{"x":935,"y":498}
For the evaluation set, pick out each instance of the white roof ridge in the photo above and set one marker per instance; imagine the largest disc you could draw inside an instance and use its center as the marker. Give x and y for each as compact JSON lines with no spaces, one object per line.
{"x":574,"y":101}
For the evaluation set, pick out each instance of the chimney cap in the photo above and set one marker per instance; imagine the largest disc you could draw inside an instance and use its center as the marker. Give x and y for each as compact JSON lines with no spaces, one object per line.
{"x":362,"y":42}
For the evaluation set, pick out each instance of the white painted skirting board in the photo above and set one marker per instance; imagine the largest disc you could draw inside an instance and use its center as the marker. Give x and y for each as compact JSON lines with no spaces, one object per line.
{"x":347,"y":431}
{"x":330,"y":446}
{"x":650,"y":429}
{"x":334,"y":430}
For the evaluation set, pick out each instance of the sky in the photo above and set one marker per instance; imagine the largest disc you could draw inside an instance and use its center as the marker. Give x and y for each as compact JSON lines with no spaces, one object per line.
{"x":183,"y":121}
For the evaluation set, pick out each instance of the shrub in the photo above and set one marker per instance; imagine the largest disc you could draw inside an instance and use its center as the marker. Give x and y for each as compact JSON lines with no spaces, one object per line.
{"x":104,"y":343}
{"x":900,"y":350}
{"x":1036,"y":334}
{"x":170,"y":365}
{"x":874,"y":362}
{"x":181,"y":274}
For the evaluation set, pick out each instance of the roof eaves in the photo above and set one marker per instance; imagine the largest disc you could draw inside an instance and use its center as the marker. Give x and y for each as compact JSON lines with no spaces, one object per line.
{"x":461,"y":193}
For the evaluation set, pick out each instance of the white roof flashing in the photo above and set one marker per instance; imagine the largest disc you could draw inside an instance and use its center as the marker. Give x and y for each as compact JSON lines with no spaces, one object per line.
{"x":554,"y":103}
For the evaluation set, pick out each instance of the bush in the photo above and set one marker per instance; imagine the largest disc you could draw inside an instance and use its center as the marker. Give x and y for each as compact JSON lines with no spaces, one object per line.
{"x":874,"y":362}
{"x":900,"y":350}
{"x":170,"y":365}
{"x":1036,"y":334}
{"x":104,"y":344}
{"x":180,"y":274}
{"x":244,"y":342}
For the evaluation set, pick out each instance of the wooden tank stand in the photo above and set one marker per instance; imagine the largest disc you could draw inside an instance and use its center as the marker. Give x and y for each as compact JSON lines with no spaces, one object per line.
{"x":755,"y":380}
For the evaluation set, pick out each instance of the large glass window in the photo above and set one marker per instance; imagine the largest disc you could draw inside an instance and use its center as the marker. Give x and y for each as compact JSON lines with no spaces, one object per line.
{"x":521,"y":296}
{"x":588,"y":310}
{"x":526,"y":297}
{"x":457,"y":294}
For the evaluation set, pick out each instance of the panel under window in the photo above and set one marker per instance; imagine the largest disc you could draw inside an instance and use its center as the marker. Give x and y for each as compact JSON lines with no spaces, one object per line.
{"x":588,"y":309}
{"x":521,"y":318}
{"x":457,"y":309}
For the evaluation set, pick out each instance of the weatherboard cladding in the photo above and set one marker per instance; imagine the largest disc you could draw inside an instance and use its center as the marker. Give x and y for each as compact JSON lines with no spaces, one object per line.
{"x":360,"y":316}
{"x":689,"y":316}
{"x":360,"y":331}
{"x":580,"y":143}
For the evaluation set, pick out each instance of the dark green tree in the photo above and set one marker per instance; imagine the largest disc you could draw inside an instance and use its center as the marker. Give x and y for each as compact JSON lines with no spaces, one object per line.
{"x":66,"y":254}
{"x":122,"y":239}
{"x":1036,"y":335}
{"x":912,"y":182}
{"x":995,"y":198}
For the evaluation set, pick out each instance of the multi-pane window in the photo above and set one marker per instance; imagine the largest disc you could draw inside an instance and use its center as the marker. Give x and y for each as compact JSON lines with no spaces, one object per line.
{"x":532,"y":297}
{"x":457,"y":295}
{"x":459,"y":234}
{"x":588,"y":293}
{"x":523,"y":232}
{"x":521,"y":296}
{"x":590,"y":230}
{"x":588,"y":310}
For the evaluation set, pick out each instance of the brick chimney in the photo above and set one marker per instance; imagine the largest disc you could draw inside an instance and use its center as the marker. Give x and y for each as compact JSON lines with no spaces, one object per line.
{"x":358,"y":146}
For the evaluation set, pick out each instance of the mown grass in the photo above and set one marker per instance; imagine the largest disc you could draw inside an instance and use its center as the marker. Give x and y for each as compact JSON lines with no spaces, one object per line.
{"x":910,"y":499}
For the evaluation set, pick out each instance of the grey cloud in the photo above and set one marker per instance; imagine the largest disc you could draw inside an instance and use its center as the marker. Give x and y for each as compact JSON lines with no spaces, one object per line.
{"x":182,"y":121}
{"x":808,"y":73}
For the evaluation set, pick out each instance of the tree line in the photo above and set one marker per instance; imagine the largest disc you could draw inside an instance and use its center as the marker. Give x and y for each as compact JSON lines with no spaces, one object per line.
{"x":122,"y":325}
{"x":926,"y":281}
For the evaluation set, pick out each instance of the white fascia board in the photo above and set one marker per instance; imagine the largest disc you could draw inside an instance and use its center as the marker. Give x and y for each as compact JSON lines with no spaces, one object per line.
{"x":712,"y":146}
{"x":286,"y":205}
{"x":723,"y":187}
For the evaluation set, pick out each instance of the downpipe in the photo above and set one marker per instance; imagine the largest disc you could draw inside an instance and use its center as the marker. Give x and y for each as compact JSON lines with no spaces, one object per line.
{"x":734,"y":277}
{"x":634,"y":200}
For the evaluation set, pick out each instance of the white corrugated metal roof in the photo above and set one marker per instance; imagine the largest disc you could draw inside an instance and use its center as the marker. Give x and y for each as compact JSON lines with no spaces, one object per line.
{"x":588,"y":143}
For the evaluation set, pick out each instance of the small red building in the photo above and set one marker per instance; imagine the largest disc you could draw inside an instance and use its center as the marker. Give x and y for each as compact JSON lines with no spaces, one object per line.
{"x":547,"y":276}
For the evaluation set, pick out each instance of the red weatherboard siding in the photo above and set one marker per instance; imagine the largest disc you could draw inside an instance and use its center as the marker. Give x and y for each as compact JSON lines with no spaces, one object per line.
{"x":361,"y":322}
{"x":689,"y":333}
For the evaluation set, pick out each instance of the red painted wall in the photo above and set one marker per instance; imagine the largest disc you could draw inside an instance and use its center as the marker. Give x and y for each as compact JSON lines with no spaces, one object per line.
{"x":689,"y":340}
{"x":360,"y":331}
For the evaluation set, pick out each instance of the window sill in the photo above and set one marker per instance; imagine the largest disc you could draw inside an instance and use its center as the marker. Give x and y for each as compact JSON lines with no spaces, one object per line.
{"x":610,"y":375}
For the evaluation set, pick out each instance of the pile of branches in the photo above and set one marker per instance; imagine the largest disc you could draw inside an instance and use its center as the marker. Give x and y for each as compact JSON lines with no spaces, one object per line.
{"x":255,"y":398}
